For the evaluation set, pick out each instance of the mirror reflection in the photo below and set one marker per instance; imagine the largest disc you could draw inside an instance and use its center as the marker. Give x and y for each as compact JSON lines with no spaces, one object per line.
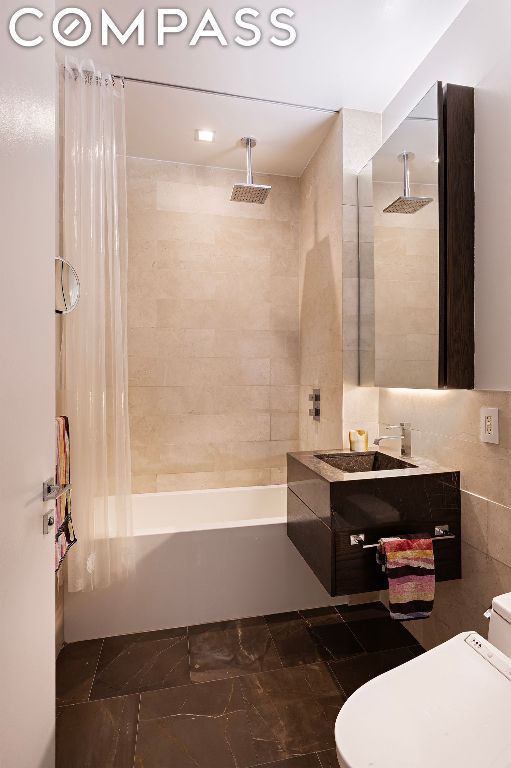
{"x":67,"y":287}
{"x":399,"y":255}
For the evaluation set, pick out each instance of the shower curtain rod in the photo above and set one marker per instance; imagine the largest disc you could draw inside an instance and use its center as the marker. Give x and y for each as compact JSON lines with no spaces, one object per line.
{"x":229,"y":95}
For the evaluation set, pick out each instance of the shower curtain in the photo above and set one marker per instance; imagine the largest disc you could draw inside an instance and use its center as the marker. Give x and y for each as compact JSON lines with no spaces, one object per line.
{"x":94,"y":368}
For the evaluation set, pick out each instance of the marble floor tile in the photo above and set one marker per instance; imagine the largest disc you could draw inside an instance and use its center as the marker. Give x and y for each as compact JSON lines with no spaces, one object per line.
{"x":231,"y":648}
{"x":76,"y":665}
{"x":381,"y":634}
{"x":142,"y":662}
{"x":332,"y":634}
{"x":307,"y":637}
{"x":292,"y":711}
{"x":97,"y":734}
{"x":294,"y":641}
{"x":353,"y":673}
{"x":363,"y":611}
{"x":220,"y":695}
{"x":197,"y":726}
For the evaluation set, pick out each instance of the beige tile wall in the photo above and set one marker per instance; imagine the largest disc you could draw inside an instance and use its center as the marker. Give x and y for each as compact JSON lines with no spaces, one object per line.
{"x":361,"y":139}
{"x":213,"y":328}
{"x":447,"y":425}
{"x":321,"y":293}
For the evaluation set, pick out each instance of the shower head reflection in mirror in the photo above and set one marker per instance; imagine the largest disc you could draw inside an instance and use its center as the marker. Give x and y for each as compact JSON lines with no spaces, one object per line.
{"x":407,"y":203}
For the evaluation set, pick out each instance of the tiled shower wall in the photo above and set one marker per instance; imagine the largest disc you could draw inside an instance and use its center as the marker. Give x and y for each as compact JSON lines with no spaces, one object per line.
{"x":361,"y":139}
{"x":321,"y":293}
{"x":213,"y":328}
{"x":447,"y":423}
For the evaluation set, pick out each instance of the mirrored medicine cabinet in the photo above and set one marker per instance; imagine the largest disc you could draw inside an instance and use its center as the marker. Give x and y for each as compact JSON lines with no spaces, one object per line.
{"x":416,"y":249}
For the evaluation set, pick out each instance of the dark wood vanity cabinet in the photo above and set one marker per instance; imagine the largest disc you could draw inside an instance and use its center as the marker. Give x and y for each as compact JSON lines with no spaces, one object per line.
{"x":457,"y":237}
{"x":324,"y":514}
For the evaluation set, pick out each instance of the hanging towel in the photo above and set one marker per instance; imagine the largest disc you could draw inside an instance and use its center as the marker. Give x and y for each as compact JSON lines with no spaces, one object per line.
{"x":65,"y":534}
{"x":410,"y":567}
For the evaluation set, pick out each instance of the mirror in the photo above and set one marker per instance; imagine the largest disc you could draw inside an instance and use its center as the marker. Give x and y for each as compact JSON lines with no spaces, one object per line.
{"x":67,"y":287}
{"x":417,"y":248}
{"x":399,"y":255}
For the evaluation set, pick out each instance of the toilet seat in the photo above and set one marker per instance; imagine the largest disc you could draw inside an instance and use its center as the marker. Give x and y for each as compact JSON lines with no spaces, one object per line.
{"x":449,"y":708}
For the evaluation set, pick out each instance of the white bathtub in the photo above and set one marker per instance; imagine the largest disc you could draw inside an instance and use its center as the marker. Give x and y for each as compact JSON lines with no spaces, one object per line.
{"x":201,"y":556}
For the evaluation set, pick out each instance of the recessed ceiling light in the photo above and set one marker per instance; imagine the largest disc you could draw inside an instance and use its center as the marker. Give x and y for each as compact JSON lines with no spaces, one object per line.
{"x":201,"y":134}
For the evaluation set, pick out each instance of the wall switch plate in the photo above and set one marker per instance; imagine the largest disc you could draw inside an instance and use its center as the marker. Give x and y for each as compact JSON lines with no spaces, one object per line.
{"x":490,"y":425}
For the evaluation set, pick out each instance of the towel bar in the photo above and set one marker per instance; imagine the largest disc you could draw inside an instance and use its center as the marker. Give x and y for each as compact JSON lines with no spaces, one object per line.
{"x":442,"y":533}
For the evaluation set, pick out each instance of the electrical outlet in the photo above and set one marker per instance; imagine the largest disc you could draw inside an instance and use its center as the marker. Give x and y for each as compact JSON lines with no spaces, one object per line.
{"x":490,"y":425}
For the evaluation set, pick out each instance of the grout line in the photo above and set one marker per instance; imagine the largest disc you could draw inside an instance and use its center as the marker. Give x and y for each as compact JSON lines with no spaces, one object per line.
{"x":189,"y":655}
{"x":336,"y":680}
{"x":347,"y":624}
{"x":105,"y":698}
{"x":96,"y":669}
{"x":136,"y":728}
{"x":323,"y":752}
{"x":274,"y":643}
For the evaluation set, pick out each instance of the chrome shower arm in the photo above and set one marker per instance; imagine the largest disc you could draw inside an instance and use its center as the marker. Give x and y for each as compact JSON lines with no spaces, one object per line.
{"x":250,"y":175}
{"x":406,"y":171}
{"x":249,"y":143}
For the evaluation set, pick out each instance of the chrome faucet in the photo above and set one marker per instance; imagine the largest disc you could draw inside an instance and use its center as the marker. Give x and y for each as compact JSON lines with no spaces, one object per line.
{"x":405,"y":438}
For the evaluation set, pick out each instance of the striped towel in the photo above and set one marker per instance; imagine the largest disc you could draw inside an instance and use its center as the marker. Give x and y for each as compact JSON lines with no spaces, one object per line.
{"x":65,"y":534}
{"x":410,"y":566}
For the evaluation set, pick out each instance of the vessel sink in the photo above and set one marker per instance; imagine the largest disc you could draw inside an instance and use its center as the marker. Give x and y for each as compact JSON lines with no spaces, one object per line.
{"x":371,"y":461}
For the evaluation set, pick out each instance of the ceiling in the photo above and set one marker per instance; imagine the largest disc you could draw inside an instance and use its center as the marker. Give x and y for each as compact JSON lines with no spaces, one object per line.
{"x":161,"y":124}
{"x":349,"y":53}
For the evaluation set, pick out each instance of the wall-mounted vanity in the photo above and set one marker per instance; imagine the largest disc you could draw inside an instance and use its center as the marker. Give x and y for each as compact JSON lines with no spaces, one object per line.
{"x":416,"y":208}
{"x":340,"y":504}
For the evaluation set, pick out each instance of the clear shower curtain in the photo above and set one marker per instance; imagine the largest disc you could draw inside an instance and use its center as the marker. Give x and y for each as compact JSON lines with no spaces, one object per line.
{"x":94,"y":360}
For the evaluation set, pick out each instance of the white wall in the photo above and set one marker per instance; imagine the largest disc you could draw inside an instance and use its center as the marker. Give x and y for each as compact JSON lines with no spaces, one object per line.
{"x":27,"y":397}
{"x":470,"y":48}
{"x":493,"y":229}
{"x":475,"y":51}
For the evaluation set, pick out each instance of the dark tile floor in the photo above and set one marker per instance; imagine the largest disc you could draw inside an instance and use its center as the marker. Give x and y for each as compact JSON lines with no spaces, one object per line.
{"x":237,"y":694}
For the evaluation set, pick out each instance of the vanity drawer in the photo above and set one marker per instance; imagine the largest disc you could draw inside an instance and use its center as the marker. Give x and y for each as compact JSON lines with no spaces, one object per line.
{"x":312,"y":538}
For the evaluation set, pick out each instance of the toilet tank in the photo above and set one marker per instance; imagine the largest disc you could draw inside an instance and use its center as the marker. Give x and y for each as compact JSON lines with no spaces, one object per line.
{"x":499,"y":633}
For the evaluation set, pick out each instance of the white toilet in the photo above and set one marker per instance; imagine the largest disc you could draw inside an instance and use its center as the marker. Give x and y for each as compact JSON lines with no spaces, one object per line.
{"x":449,"y":708}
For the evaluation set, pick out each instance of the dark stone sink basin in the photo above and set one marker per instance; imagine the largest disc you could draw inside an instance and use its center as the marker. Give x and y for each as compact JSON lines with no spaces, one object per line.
{"x":373,"y":461}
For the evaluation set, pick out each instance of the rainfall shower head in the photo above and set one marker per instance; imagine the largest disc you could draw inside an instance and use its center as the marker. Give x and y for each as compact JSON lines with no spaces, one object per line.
{"x":407,"y":203}
{"x":250,"y":192}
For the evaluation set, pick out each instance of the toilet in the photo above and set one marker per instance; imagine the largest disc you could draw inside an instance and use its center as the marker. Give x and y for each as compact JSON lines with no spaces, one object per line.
{"x":449,"y":708}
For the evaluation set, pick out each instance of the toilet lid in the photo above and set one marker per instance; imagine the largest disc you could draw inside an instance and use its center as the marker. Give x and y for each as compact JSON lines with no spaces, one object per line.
{"x":449,"y":708}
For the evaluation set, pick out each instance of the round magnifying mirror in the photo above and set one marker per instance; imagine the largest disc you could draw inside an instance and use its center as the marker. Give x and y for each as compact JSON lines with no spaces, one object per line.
{"x":67,"y":287}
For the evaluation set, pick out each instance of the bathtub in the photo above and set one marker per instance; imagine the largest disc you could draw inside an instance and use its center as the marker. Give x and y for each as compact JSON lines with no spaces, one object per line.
{"x":201,"y":556}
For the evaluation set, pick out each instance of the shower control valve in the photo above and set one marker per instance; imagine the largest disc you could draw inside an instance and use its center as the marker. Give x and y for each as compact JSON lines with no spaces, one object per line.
{"x":315,"y":398}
